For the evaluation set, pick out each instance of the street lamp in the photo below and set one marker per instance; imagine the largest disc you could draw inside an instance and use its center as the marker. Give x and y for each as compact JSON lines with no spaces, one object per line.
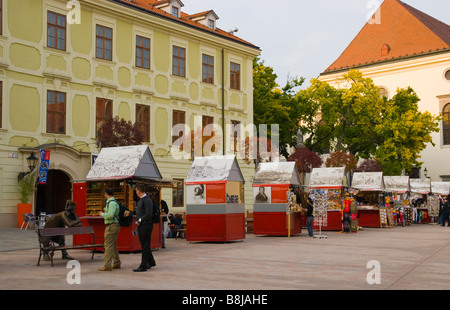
{"x":425,"y":172}
{"x":31,"y":161}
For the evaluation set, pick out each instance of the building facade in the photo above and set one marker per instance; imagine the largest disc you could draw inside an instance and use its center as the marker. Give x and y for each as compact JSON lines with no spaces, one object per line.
{"x":401,"y":47}
{"x":66,"y":66}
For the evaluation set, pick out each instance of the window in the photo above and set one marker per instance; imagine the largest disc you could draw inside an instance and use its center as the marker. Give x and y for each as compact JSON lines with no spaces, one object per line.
{"x":235,"y":76}
{"x":103,"y":43}
{"x":143,"y":121}
{"x":208,"y":69}
{"x":174,"y":11}
{"x":211,"y":24}
{"x":56,"y":112}
{"x":447,"y":75}
{"x":235,"y":135}
{"x":178,"y":117}
{"x":56,"y":31}
{"x":103,"y":112}
{"x":178,"y":193}
{"x":446,"y":124}
{"x":207,"y":120}
{"x":383,"y":92}
{"x":179,"y":61}
{"x":142,"y":52}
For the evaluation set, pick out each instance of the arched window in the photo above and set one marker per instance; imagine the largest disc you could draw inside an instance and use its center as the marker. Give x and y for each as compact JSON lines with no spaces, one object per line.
{"x":446,"y":124}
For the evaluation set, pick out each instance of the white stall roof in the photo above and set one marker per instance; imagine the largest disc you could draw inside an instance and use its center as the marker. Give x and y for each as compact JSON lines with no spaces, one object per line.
{"x":396,"y":183}
{"x":277,"y":173}
{"x":214,"y":168}
{"x":125,"y":162}
{"x":368,"y":181}
{"x":327,"y":177}
{"x":420,"y":186}
{"x":442,"y":188}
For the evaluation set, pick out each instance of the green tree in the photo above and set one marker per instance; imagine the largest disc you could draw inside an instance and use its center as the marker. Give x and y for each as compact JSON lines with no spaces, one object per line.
{"x":356,"y":119}
{"x":273,"y":105}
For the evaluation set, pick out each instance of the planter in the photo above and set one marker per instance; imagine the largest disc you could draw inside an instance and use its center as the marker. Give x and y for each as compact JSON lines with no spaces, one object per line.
{"x":22,"y":208}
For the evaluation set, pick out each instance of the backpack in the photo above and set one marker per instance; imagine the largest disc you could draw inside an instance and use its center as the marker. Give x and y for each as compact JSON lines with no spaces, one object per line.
{"x":156,"y":216}
{"x":124,"y":221}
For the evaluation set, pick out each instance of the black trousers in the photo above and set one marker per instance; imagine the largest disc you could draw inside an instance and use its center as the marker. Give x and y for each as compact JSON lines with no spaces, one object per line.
{"x":145,"y":238}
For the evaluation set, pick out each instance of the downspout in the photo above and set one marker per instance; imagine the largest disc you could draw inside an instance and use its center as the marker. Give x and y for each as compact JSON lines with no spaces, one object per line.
{"x":223,"y":102}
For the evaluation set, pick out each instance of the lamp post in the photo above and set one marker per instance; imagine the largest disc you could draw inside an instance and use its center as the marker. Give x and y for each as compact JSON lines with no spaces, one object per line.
{"x":31,"y":162}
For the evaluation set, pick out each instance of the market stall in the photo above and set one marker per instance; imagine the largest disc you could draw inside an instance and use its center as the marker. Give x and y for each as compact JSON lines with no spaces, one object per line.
{"x":367,"y":189}
{"x":420,"y":188}
{"x":397,"y":190}
{"x":275,"y":207}
{"x":327,"y":183}
{"x":119,"y":168}
{"x":215,"y":209}
{"x":439,"y":191}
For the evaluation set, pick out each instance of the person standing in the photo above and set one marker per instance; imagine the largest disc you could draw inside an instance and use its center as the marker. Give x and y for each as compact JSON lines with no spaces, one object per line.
{"x":309,"y":217}
{"x":165,"y":212}
{"x":111,"y":218}
{"x":446,"y":211}
{"x":144,"y":224}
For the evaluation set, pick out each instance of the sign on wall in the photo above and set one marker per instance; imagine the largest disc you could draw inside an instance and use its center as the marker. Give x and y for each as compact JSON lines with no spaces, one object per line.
{"x":43,"y":167}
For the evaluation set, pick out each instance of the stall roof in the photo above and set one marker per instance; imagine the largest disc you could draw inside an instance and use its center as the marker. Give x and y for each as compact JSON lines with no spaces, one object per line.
{"x":125,"y":162}
{"x":420,"y":186}
{"x":327,"y":177}
{"x":214,"y":168}
{"x":396,"y":183}
{"x":368,"y":181}
{"x":277,"y":173}
{"x":442,"y":188}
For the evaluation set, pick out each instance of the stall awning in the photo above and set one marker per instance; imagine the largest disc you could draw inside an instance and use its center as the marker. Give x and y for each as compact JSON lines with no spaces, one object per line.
{"x":420,"y":186}
{"x":442,"y":188}
{"x":368,"y":181}
{"x":214,"y":169}
{"x":327,"y":177}
{"x":277,"y":173}
{"x":396,"y":183}
{"x":125,"y":162}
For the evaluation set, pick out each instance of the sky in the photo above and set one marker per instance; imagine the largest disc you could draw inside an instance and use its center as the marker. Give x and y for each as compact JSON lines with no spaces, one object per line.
{"x":300,"y":38}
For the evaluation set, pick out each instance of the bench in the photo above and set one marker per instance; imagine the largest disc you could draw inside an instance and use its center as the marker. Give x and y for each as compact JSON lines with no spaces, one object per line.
{"x":65,"y":231}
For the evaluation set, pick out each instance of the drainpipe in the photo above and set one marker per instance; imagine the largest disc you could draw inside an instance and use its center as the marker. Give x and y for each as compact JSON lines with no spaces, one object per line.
{"x":223,"y":102}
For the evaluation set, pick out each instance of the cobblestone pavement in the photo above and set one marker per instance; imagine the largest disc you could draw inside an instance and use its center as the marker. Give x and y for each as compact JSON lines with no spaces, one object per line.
{"x":410,"y":258}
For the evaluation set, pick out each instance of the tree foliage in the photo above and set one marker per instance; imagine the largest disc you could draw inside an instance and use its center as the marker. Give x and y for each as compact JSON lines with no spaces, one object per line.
{"x":273,"y":105}
{"x":118,"y":132}
{"x":305,"y":159}
{"x":355,"y":119}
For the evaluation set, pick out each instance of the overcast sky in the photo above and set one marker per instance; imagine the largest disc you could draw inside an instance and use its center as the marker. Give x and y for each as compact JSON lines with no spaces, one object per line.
{"x":298,"y":37}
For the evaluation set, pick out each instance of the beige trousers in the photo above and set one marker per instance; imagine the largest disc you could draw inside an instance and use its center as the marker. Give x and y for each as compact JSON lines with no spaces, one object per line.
{"x":110,"y":244}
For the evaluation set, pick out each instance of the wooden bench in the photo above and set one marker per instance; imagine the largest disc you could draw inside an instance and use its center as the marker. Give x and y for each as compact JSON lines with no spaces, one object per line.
{"x":44,"y":233}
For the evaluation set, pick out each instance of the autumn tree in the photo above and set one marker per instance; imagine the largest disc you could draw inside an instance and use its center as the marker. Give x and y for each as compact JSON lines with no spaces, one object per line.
{"x":118,"y":132}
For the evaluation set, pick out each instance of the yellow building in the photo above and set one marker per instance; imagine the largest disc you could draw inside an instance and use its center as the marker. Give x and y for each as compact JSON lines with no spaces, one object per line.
{"x":67,"y":65}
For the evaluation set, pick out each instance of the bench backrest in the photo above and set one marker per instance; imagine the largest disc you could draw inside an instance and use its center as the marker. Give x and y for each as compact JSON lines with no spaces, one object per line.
{"x":48,"y":232}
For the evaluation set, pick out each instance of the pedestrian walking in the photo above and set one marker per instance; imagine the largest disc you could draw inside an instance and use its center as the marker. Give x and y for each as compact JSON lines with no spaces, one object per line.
{"x":446,"y":211}
{"x":310,"y":216}
{"x":165,"y":212}
{"x":144,"y":224}
{"x":112,"y":229}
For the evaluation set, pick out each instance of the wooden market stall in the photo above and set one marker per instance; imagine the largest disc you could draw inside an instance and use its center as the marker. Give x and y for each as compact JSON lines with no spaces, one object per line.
{"x":439,"y":192}
{"x":367,"y":188}
{"x":420,"y":188}
{"x":215,"y":209}
{"x":275,"y":208}
{"x":328,"y":183}
{"x":397,"y":190}
{"x":120,"y":168}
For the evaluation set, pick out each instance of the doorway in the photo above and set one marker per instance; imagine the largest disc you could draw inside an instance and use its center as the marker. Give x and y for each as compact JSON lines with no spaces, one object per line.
{"x":51,"y":197}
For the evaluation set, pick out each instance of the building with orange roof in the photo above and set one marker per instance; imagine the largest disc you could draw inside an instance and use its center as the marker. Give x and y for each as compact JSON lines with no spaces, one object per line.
{"x":65,"y":66}
{"x":401,"y":46}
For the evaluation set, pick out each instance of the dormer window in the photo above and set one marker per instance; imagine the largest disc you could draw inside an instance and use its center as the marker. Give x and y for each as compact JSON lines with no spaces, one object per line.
{"x":207,"y":18}
{"x":172,"y":7}
{"x":175,"y":11}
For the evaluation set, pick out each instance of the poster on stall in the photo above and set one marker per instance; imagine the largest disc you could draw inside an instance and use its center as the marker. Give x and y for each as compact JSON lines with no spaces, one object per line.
{"x":196,"y":194}
{"x":43,"y":167}
{"x":261,"y":194}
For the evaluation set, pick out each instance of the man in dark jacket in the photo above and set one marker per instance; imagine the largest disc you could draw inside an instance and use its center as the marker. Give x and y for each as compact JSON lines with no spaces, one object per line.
{"x":446,"y":211}
{"x":144,"y":222}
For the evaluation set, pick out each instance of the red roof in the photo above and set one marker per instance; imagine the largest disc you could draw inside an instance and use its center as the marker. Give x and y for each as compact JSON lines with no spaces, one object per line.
{"x":402,"y":31}
{"x":149,"y":6}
